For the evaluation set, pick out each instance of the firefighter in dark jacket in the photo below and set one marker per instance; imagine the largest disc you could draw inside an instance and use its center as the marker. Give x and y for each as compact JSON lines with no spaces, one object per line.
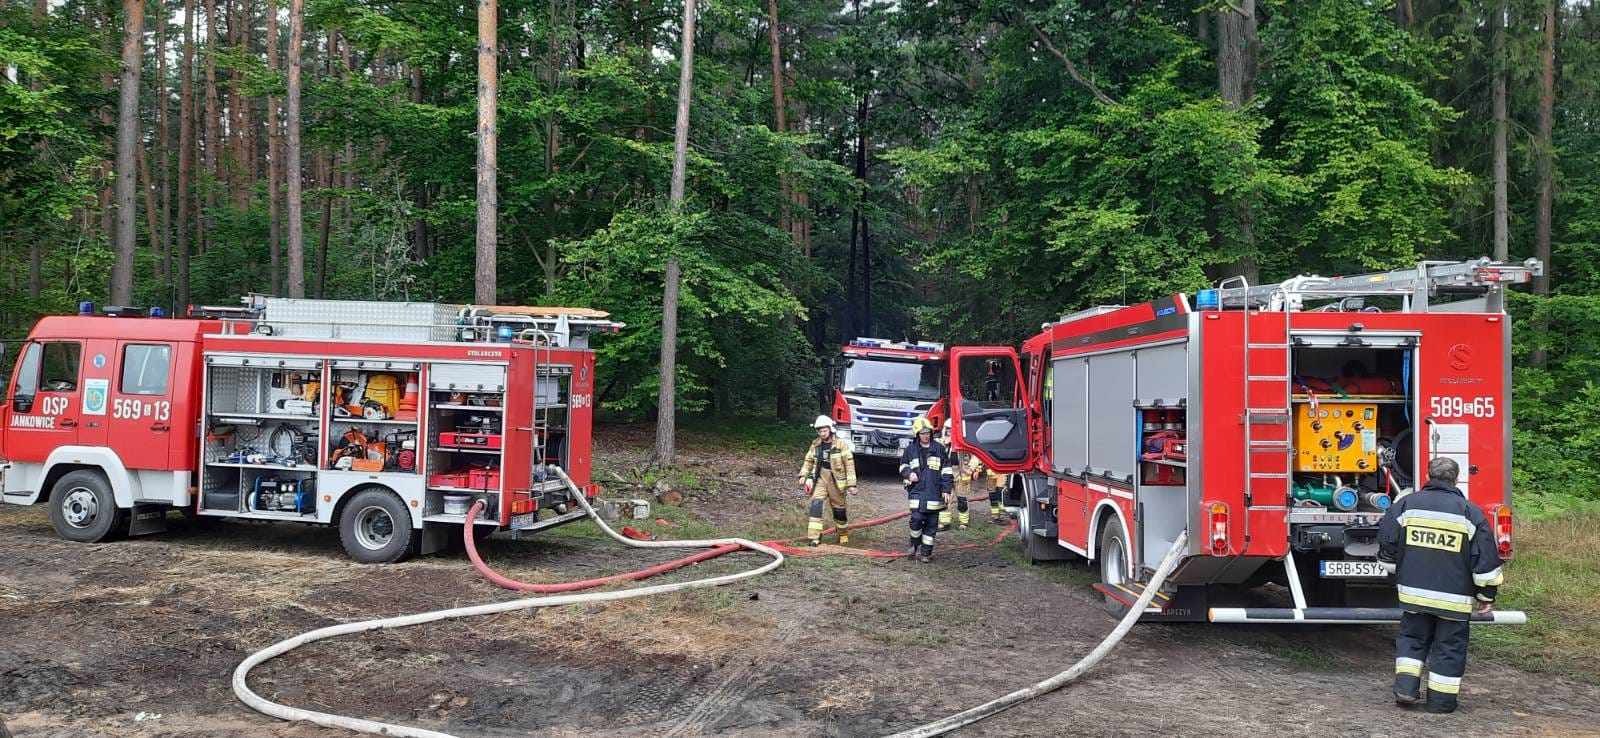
{"x":928,"y":480}
{"x":827,"y":475}
{"x":1442,"y":552}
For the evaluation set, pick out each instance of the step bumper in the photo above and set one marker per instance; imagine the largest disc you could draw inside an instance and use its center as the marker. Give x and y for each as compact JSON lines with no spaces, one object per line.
{"x":1341,"y":615}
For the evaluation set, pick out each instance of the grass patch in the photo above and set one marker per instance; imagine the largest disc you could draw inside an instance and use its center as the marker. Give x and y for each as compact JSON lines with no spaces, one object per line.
{"x":1073,"y":573}
{"x":1554,"y":576}
{"x":765,"y":435}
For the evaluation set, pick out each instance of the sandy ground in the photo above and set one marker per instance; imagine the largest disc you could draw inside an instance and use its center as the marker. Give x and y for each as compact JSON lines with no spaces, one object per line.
{"x":139,"y":638}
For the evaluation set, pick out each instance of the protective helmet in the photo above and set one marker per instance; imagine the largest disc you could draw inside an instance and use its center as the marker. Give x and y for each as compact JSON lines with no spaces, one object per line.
{"x":822,"y":421}
{"x":920,"y":425}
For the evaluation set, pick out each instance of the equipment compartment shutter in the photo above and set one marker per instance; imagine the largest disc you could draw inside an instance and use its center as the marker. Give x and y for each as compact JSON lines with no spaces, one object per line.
{"x":1069,"y":416}
{"x":382,"y":365}
{"x":263,"y":362}
{"x":1113,"y":439}
{"x":1163,"y":374}
{"x":467,"y":377}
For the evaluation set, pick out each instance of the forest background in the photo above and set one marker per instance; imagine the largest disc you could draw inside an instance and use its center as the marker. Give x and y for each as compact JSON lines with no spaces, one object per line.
{"x":956,"y":171}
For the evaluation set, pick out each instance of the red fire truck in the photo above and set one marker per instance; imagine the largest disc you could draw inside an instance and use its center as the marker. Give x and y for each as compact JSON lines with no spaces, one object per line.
{"x":385,"y":419}
{"x":1274,"y":423}
{"x":881,"y":386}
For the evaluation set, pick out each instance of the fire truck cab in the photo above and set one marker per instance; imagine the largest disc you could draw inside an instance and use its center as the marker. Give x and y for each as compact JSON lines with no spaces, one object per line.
{"x":385,"y":419}
{"x":881,"y":386}
{"x":1274,"y":424}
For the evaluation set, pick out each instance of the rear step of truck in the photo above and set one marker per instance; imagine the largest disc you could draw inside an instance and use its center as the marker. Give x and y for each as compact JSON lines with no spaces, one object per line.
{"x":1128,"y":593}
{"x":1338,"y":615}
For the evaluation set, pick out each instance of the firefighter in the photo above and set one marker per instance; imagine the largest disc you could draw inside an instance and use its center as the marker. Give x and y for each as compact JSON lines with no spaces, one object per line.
{"x":997,"y":485}
{"x":928,"y":479}
{"x":828,"y":474}
{"x":965,"y":468}
{"x":1442,"y":552}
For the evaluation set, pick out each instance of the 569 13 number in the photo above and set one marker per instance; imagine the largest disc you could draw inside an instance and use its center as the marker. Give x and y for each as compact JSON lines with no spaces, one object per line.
{"x":1462,"y":407}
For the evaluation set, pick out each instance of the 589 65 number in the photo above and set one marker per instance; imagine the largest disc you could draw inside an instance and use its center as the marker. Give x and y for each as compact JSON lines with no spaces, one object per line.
{"x":1462,"y":407}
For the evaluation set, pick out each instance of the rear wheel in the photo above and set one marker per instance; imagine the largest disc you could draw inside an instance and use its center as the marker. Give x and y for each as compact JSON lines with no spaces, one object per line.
{"x":1113,"y":561}
{"x":375,"y":528}
{"x":83,"y":509}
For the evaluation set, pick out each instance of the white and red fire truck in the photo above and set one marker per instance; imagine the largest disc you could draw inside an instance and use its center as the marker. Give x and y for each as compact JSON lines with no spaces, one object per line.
{"x":881,"y":386}
{"x":385,"y":419}
{"x":1273,"y":423}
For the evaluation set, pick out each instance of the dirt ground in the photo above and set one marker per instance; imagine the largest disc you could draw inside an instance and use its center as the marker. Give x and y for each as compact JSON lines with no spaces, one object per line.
{"x":140,"y":637}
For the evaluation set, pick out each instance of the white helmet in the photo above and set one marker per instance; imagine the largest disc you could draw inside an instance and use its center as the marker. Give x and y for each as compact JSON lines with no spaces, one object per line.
{"x":822,"y":421}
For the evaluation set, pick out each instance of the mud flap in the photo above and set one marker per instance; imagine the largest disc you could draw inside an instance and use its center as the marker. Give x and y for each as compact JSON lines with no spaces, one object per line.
{"x":147,"y":519}
{"x":436,"y":537}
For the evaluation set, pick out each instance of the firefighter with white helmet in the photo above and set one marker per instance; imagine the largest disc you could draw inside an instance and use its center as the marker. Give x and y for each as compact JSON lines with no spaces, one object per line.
{"x":964,"y":468}
{"x":828,"y":474}
{"x":928,"y":479}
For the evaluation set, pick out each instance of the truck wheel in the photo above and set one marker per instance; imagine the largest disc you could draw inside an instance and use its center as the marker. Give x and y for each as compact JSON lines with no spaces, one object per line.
{"x":375,"y":528}
{"x":1113,"y":562}
{"x":82,"y":508}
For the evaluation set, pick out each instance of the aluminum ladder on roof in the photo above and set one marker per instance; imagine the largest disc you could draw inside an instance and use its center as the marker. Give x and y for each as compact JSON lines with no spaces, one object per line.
{"x":1414,"y":285}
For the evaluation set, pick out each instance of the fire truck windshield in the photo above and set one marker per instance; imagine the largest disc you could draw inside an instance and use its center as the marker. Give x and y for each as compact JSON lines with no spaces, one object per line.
{"x":903,"y":379}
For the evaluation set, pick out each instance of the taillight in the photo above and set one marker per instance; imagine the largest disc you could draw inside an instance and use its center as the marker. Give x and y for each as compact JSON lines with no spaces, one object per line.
{"x":1500,"y":519}
{"x":1217,"y":527}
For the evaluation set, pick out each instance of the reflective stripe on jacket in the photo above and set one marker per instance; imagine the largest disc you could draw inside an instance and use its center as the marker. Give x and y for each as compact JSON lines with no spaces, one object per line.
{"x":839,"y":459}
{"x":1442,"y":552}
{"x":934,"y":476}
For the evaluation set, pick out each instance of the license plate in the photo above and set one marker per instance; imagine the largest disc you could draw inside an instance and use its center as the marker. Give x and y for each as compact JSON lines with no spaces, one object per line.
{"x":1353,"y":570}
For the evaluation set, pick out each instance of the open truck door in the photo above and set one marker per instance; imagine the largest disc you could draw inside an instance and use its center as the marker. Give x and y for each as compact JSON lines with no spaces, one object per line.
{"x":989,"y":407}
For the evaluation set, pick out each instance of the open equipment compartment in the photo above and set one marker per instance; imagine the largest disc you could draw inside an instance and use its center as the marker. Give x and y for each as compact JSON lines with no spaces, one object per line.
{"x":465,"y":441}
{"x":373,"y":416}
{"x":260,"y":435}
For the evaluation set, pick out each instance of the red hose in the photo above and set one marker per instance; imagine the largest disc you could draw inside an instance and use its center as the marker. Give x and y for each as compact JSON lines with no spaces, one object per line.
{"x":508,"y":583}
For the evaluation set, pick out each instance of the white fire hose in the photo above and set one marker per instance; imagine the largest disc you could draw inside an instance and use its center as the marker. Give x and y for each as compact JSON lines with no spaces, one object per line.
{"x":241,"y":688}
{"x":986,"y":709}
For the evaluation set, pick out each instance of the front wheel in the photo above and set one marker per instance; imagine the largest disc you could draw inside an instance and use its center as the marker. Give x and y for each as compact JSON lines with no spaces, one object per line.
{"x":375,"y":528}
{"x":82,"y":508}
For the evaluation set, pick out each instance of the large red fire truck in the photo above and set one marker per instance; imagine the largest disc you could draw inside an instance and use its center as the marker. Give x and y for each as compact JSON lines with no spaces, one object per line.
{"x":1274,"y":423}
{"x":385,"y":419}
{"x":881,"y":386}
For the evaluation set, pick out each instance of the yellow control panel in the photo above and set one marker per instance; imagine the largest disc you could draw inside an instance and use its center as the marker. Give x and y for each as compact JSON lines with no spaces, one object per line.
{"x":1335,"y":437}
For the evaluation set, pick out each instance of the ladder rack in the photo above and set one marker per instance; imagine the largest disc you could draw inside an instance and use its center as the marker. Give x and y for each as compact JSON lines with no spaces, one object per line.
{"x":1415,"y":286}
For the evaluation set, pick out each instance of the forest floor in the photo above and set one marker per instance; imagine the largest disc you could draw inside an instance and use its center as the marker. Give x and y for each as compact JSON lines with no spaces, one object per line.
{"x":140,"y":637}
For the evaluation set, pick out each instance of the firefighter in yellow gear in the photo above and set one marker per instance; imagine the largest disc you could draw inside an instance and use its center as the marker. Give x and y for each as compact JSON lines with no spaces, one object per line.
{"x":965,"y":468}
{"x":997,"y":487}
{"x":828,"y":474}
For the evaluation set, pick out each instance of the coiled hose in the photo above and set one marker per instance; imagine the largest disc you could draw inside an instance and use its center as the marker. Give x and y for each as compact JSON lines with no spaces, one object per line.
{"x":241,"y":687}
{"x":986,"y":709}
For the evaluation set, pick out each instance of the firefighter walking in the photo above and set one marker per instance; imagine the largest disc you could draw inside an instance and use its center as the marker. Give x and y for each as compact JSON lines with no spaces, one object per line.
{"x":928,"y":479}
{"x":1446,"y":565}
{"x":966,"y":468}
{"x":827,"y":475}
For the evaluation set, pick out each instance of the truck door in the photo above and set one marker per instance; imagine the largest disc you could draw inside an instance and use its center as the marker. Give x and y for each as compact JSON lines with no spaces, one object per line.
{"x":44,"y":400}
{"x":988,"y":407}
{"x":141,"y":404}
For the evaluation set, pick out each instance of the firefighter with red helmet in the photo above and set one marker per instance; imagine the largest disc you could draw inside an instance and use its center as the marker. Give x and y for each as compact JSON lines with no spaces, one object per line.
{"x":1442,"y":552}
{"x":827,"y":475}
{"x":928,"y":480}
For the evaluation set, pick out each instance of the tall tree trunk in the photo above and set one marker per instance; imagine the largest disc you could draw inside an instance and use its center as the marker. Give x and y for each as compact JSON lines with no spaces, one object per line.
{"x":213,"y":122}
{"x":274,"y":163}
{"x":324,"y":169}
{"x":1237,"y":44}
{"x":1403,"y":14}
{"x":349,"y":180}
{"x":779,"y":124}
{"x":163,"y":152}
{"x":148,"y":189}
{"x":552,"y":148}
{"x":419,"y":228}
{"x":858,"y":225}
{"x":108,"y":80}
{"x":488,"y":209}
{"x":185,"y":157}
{"x":291,"y":157}
{"x":666,"y":398}
{"x":1502,"y":210}
{"x":41,"y":18}
{"x":1544,"y":149}
{"x":127,"y":141}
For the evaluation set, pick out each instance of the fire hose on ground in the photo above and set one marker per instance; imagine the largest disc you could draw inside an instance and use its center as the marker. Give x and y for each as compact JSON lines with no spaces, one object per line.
{"x":241,"y":687}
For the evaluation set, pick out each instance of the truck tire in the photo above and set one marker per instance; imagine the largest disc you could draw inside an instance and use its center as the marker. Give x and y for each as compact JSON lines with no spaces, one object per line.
{"x":375,"y":528}
{"x":83,"y":509}
{"x":1113,"y":559}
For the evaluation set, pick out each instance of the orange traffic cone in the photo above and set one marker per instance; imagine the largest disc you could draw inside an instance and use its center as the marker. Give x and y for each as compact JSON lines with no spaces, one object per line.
{"x":408,"y":401}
